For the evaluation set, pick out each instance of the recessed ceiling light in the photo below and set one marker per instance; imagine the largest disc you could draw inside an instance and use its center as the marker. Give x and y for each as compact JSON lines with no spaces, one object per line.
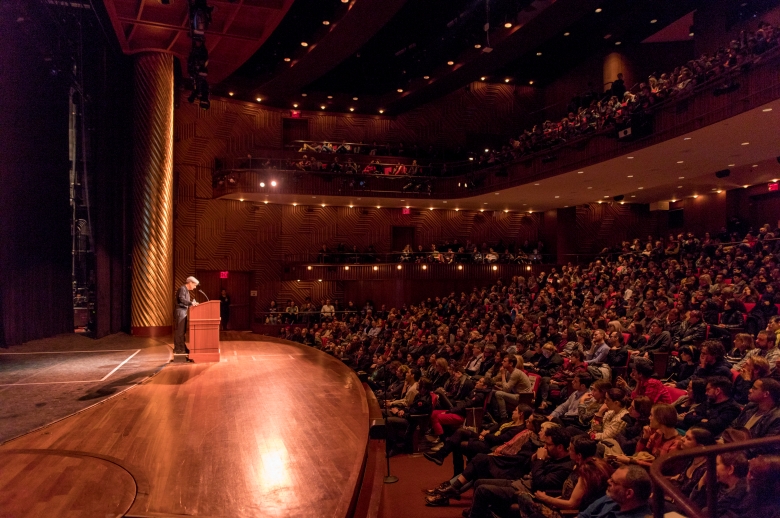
{"x":695,"y":195}
{"x":745,"y":186}
{"x":566,"y":33}
{"x":273,"y":183}
{"x":681,"y":178}
{"x":680,"y":161}
{"x":506,"y":80}
{"x":674,"y":201}
{"x":530,"y":82}
{"x":630,"y":176}
{"x":354,"y":98}
{"x":487,"y":202}
{"x":482,"y":78}
{"x":755,"y":165}
{"x":691,"y":35}
{"x":381,"y":111}
{"x":304,"y":95}
{"x":400,"y":90}
{"x":230,"y":94}
{"x":241,"y":199}
{"x":633,"y":195}
{"x":732,"y":165}
{"x":590,"y":187}
{"x":618,"y":43}
{"x":322,"y":107}
{"x":323,"y":204}
{"x":287,"y":60}
{"x":482,"y":210}
{"x":557,"y":196}
{"x":580,"y":172}
{"x":767,"y":110}
{"x":304,"y":44}
{"x":477,"y":46}
{"x":774,"y":180}
{"x":351,"y":206}
{"x":607,"y":196}
{"x":496,"y":193}
{"x":426,"y":77}
{"x":746,"y":143}
{"x":262,"y":184}
{"x":266,"y":202}
{"x":325,"y":22}
{"x":295,"y":204}
{"x":378,"y":206}
{"x":450,"y":63}
{"x":295,"y":105}
{"x":538,"y":53}
{"x":630,"y":157}
{"x":536,"y":184}
{"x":687,"y":138}
{"x":653,"y":20}
{"x":352,"y":109}
{"x":330,"y":97}
{"x":640,"y":188}
{"x":679,"y":186}
{"x":598,"y":10}
{"x":259,"y":99}
{"x":344,"y":1}
{"x":508,"y":25}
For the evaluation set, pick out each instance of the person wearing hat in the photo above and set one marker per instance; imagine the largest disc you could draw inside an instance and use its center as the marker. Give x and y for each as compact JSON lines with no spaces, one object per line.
{"x":183,"y":302}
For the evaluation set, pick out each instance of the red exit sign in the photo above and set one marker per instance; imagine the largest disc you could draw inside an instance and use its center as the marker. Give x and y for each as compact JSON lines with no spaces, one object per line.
{"x":223,"y":275}
{"x":406,"y":211}
{"x":295,"y":114}
{"x":774,"y":186}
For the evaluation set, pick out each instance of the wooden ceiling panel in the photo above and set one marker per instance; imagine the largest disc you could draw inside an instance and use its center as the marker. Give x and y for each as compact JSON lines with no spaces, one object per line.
{"x":174,"y":14}
{"x":146,"y":37}
{"x":126,"y":8}
{"x":238,"y":28}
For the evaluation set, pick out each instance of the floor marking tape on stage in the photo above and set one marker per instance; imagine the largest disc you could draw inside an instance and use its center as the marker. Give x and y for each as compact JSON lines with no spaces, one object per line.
{"x":72,"y":352}
{"x":104,"y":378}
{"x":118,"y":366}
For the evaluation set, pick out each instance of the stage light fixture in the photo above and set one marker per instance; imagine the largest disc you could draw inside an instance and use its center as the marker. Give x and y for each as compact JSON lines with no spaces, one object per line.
{"x":308,"y":267}
{"x":376,"y":268}
{"x":460,"y":267}
{"x":262,"y":184}
{"x":398,"y":267}
{"x":273,"y":183}
{"x":346,"y":267}
{"x":230,"y":94}
{"x":304,"y":44}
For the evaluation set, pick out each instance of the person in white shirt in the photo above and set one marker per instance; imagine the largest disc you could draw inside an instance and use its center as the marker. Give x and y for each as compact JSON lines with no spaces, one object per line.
{"x":327,"y":311}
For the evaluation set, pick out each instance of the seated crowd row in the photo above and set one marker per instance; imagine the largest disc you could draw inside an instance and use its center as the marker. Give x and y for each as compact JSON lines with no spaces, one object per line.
{"x":578,"y":398}
{"x":446,"y":253}
{"x":619,"y":107}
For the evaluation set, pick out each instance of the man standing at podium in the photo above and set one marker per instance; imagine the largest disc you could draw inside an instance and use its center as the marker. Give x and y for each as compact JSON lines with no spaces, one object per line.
{"x":183,"y":302}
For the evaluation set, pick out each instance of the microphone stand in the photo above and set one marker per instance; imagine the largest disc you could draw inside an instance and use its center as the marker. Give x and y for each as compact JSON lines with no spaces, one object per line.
{"x":389,"y":479}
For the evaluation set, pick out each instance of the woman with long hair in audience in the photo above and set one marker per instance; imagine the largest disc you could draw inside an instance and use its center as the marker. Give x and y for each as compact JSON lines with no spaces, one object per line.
{"x":586,"y":484}
{"x":695,"y":395}
{"x":658,"y":438}
{"x":696,"y":467}
{"x":743,"y":343}
{"x":731,"y":469}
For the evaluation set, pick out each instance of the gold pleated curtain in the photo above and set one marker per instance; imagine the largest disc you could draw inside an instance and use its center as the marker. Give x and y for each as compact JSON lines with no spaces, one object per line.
{"x":152,"y":277}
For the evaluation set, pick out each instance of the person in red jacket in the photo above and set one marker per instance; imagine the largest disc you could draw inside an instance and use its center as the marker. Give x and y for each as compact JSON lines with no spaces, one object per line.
{"x":646,"y":385}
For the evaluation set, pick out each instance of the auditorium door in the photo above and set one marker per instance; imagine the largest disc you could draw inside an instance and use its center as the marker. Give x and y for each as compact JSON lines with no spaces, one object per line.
{"x":402,"y":236}
{"x":294,"y":129}
{"x":237,"y":285}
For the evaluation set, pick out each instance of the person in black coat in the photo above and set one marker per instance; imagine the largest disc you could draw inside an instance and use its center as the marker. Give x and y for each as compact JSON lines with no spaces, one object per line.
{"x":401,"y":426}
{"x":712,"y":362}
{"x":183,"y":303}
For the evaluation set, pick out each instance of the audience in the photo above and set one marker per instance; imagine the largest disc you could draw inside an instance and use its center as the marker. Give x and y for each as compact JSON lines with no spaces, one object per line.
{"x":566,"y":327}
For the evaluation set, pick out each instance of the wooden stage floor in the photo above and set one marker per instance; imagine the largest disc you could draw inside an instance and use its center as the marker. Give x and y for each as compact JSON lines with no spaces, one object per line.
{"x":272,"y":430}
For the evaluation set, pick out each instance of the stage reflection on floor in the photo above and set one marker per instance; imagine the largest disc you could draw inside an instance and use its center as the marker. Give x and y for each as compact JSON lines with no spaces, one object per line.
{"x":272,"y":430}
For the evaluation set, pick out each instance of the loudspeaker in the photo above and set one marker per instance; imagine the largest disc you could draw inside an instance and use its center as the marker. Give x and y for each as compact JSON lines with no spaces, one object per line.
{"x":723,"y":173}
{"x":619,"y":197}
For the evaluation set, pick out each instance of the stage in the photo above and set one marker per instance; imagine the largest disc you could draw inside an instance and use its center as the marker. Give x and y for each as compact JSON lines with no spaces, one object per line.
{"x":274,"y":429}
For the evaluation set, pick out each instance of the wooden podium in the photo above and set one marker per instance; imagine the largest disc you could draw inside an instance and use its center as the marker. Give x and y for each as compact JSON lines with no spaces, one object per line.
{"x":204,"y":332}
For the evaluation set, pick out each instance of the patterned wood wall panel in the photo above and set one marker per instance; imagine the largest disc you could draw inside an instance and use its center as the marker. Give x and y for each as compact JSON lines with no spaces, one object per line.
{"x":603,"y":224}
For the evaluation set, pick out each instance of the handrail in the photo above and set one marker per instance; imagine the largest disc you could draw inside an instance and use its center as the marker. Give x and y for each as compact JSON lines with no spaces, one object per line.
{"x":331,"y":258}
{"x":663,"y":486}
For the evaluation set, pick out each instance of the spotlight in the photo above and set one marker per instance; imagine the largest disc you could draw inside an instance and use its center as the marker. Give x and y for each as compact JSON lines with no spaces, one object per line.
{"x":262,"y":184}
{"x":273,"y":183}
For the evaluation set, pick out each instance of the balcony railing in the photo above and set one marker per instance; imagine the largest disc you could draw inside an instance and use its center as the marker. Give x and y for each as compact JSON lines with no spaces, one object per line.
{"x":706,"y":104}
{"x":664,"y":488}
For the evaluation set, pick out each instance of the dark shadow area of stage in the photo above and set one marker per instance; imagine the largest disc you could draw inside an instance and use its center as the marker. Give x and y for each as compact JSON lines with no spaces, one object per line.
{"x":43,"y":381}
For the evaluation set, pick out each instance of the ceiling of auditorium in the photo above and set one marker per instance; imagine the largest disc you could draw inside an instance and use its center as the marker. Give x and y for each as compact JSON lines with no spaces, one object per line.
{"x":394,"y":54}
{"x":683,"y":167}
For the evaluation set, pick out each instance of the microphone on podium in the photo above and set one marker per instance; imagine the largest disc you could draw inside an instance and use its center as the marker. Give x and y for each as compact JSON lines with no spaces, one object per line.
{"x":207,"y":297}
